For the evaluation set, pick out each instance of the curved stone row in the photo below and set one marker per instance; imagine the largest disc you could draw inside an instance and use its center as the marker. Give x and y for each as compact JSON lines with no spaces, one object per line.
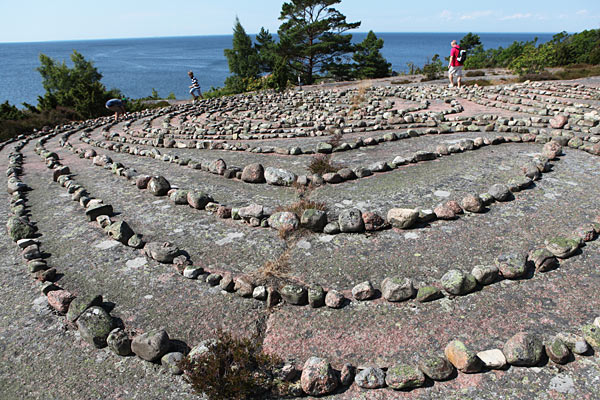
{"x":455,"y":282}
{"x":317,"y":377}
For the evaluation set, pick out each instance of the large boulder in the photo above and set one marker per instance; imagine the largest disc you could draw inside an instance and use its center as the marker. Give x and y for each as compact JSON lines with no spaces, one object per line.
{"x":314,"y":220}
{"x":458,"y":283}
{"x":402,"y":218}
{"x":151,"y":346}
{"x":397,"y":289}
{"x":351,"y":221}
{"x":253,"y":173}
{"x":318,"y":378}
{"x":287,"y":221}
{"x":524,"y":349}
{"x":19,"y":228}
{"x":163,"y":252}
{"x":158,"y":186}
{"x":279,"y":177}
{"x":94,"y":326}
{"x":197,"y":199}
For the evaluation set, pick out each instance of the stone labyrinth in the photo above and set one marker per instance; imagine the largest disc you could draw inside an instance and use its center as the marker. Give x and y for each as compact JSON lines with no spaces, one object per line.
{"x":452,"y":255}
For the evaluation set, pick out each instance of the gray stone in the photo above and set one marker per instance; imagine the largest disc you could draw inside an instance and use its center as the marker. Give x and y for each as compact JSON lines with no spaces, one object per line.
{"x":314,"y":220}
{"x":437,"y":368}
{"x":120,"y":231}
{"x":119,"y":342}
{"x":19,"y":228}
{"x":402,"y":218}
{"x":170,"y":362}
{"x":95,"y":210}
{"x":294,"y":294}
{"x":94,"y":325}
{"x":500,"y":192}
{"x":524,"y":349}
{"x":316,"y":296}
{"x":287,"y":221}
{"x":370,"y":378}
{"x":192,"y":272}
{"x":318,"y":378}
{"x":198,"y":199}
{"x":251,"y":211}
{"x":351,"y":221}
{"x":82,"y":303}
{"x":163,"y":252}
{"x":363,"y":291}
{"x":493,"y":359}
{"x":512,"y":266}
{"x":334,"y":299}
{"x":253,"y":173}
{"x":332,"y":228}
{"x":279,"y":177}
{"x":158,"y":186}
{"x":404,"y":376}
{"x":485,"y":274}
{"x":152,"y":345}
{"x":397,"y":289}
{"x":458,"y":283}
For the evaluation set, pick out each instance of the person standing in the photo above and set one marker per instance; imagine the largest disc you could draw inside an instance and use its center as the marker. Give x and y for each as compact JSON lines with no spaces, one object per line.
{"x":455,"y":67}
{"x":116,"y":105}
{"x":195,"y":87}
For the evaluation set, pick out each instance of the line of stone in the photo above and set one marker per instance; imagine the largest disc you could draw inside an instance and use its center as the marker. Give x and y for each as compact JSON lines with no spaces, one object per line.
{"x":317,"y":377}
{"x":455,"y":282}
{"x":84,"y":312}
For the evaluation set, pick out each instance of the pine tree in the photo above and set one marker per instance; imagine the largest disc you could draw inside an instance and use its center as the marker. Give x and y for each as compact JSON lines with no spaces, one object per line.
{"x":312,"y":36}
{"x":242,"y":58}
{"x":78,"y":88}
{"x":369,"y":61}
{"x":266,"y":48}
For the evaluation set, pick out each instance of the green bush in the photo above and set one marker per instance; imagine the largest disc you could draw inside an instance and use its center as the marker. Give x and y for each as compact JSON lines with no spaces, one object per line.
{"x":474,"y":73}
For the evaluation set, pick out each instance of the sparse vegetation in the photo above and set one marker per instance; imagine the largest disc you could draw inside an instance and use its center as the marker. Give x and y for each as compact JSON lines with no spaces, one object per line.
{"x":478,"y":82}
{"x":322,"y":164}
{"x":232,"y":369}
{"x":471,"y":74}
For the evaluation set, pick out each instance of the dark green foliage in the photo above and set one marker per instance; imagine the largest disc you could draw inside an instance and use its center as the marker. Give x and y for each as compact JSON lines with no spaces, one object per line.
{"x":470,"y":41}
{"x":8,"y":112}
{"x":370,"y":63}
{"x":30,"y":120}
{"x":312,"y":36}
{"x":243,"y":57}
{"x":232,"y":369}
{"x":532,"y":58}
{"x":432,"y":69}
{"x":266,"y":49}
{"x":78,"y":88}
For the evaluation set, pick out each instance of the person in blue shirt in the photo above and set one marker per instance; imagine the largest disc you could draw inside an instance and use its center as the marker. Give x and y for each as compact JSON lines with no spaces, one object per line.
{"x":116,"y":105}
{"x":195,"y":87}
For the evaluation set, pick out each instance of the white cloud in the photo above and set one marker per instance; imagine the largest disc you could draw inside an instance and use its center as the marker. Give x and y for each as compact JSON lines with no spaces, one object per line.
{"x":476,"y":15}
{"x":582,"y":12}
{"x":516,"y":16}
{"x":447,"y":15}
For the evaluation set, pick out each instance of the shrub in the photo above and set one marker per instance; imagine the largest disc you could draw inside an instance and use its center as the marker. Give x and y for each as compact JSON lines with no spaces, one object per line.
{"x":232,"y":369}
{"x":475,"y":73}
{"x":578,"y":71}
{"x":479,"y":82}
{"x":30,"y":120}
{"x":400,"y":82}
{"x":542,"y":76}
{"x":322,"y":164}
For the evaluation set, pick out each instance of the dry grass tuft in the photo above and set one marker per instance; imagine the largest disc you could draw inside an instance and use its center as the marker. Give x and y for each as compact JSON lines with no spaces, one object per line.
{"x":322,"y":164}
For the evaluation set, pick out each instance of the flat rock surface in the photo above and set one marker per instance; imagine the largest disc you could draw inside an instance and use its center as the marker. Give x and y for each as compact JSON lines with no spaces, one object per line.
{"x":42,"y":357}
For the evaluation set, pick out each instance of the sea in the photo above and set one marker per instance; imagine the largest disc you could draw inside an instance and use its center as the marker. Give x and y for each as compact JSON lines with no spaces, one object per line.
{"x":136,"y":66}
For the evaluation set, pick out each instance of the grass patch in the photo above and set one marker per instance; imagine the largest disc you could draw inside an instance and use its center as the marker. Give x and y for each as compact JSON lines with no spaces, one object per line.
{"x":478,"y":82}
{"x":321,"y":164}
{"x":232,"y":369}
{"x":578,"y":71}
{"x":400,"y":82}
{"x":471,"y":74}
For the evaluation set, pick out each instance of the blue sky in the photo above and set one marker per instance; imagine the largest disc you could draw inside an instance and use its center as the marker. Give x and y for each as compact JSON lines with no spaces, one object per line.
{"x":37,"y":20}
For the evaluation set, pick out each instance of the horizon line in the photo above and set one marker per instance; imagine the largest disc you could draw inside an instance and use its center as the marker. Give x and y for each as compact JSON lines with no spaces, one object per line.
{"x":253,"y":34}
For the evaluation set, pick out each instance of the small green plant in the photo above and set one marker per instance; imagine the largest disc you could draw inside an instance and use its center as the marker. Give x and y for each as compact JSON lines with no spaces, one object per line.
{"x":232,"y":369}
{"x":322,"y":164}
